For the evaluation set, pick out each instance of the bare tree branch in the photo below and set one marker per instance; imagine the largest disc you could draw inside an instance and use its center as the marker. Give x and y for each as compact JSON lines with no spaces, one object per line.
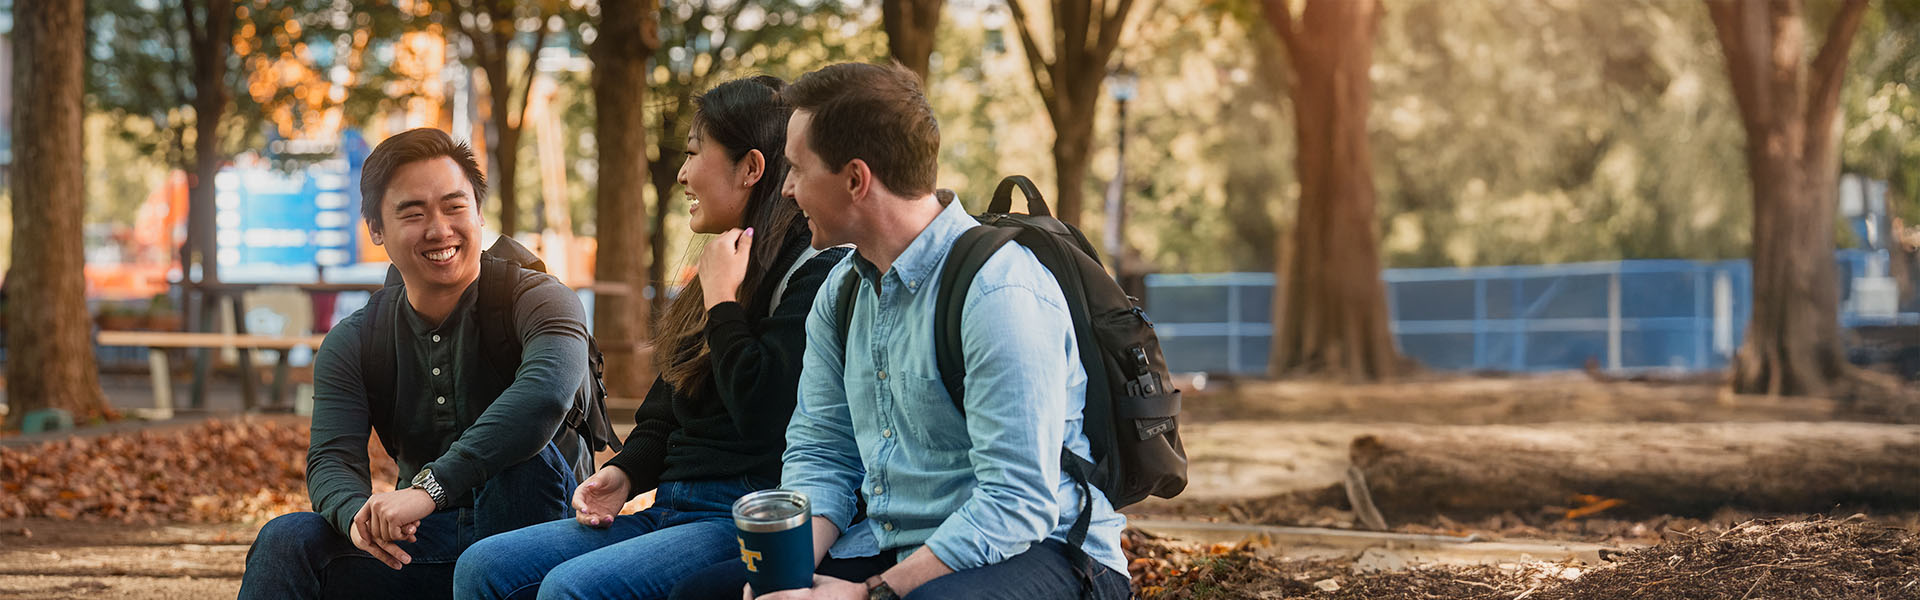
{"x":1281,"y":18}
{"x":1073,"y":19}
{"x":1743,"y":66}
{"x":1037,"y":61}
{"x":194,"y":30}
{"x":532,"y":70}
{"x":180,"y":71}
{"x":1830,"y":66}
{"x":1111,"y":27}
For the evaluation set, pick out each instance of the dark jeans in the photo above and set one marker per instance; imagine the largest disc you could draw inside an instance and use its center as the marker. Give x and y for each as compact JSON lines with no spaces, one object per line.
{"x":639,"y":556}
{"x":300,"y":555}
{"x":1043,"y":572}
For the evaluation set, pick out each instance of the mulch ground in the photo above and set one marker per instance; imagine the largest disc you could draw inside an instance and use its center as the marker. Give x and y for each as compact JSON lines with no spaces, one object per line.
{"x":1816,"y":557}
{"x":216,"y":471}
{"x":1328,"y":508}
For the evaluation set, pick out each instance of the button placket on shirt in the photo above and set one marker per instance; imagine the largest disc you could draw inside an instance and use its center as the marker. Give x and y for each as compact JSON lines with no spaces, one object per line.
{"x":439,"y":354}
{"x":883,"y":402}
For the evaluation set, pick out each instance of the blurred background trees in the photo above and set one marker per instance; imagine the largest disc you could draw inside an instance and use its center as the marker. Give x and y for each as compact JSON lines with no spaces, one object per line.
{"x":1497,"y":133}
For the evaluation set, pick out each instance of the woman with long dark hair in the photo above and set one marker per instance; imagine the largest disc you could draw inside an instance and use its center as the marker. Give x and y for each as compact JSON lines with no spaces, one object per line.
{"x":728,"y":352}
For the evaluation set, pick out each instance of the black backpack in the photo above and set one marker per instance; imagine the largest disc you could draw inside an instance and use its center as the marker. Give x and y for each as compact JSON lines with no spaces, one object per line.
{"x":1131,"y":414}
{"x":499,"y":344}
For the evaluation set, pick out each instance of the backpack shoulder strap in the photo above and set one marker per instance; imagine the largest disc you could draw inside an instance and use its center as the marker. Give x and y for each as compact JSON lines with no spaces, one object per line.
{"x":849,"y":293}
{"x":963,"y":263}
{"x":376,"y":351}
{"x":499,"y":342}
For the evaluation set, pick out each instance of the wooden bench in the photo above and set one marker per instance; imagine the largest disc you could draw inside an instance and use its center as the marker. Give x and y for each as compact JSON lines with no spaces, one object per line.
{"x":158,"y":342}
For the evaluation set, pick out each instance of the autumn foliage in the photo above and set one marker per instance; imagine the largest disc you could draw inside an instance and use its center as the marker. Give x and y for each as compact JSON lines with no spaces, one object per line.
{"x":220,"y":470}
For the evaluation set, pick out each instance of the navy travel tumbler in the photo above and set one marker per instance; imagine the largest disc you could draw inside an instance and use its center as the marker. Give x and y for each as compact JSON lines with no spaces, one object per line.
{"x":776,"y":539}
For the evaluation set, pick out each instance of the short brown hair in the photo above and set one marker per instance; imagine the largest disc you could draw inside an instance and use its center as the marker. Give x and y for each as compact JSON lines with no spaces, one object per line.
{"x":407,"y":147}
{"x":874,"y":113}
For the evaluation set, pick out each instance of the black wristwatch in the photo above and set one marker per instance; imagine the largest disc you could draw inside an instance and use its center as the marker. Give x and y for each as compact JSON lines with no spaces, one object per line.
{"x":877,"y":589}
{"x":427,"y":483}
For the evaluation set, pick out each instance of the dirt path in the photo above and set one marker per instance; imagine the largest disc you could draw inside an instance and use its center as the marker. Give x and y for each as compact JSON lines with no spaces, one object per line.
{"x":45,"y":558}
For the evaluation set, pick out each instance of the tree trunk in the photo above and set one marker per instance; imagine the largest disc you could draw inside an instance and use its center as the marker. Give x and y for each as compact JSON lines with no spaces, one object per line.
{"x":1690,"y":469}
{"x":657,"y":268}
{"x":492,"y":44}
{"x":503,"y":154}
{"x":1330,"y":315}
{"x":1084,"y":37}
{"x":628,"y":36}
{"x":50,"y":360}
{"x":210,"y":49}
{"x":210,"y":37}
{"x":666,"y":174}
{"x":1788,"y":109}
{"x":1072,"y":153}
{"x":910,"y":26}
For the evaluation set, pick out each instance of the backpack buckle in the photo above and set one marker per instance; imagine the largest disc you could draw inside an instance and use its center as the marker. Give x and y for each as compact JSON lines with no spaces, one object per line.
{"x":1147,"y":384}
{"x":1140,"y":362}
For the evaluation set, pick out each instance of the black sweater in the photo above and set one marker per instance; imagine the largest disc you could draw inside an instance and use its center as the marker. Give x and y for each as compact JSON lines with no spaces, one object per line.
{"x":738,"y":426}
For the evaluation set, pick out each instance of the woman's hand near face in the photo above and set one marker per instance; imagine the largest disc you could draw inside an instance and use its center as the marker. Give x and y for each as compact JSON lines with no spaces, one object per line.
{"x":724,"y":265}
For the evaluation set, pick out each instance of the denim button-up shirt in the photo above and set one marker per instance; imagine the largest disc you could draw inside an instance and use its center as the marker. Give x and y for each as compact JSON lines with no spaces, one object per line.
{"x":975,"y":490}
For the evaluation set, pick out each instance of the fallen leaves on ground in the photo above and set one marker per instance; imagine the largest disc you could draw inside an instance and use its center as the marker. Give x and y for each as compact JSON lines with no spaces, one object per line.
{"x":220,"y":470}
{"x":1770,"y":558}
{"x":1807,"y":557}
{"x":1327,"y":507}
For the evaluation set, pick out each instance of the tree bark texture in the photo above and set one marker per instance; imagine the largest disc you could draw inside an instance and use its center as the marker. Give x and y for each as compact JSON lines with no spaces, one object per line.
{"x":491,"y":46}
{"x":1331,"y":310}
{"x":503,"y":154}
{"x":211,"y":36}
{"x":50,"y":361}
{"x":1788,"y":109}
{"x":910,"y":26}
{"x":1068,"y":76}
{"x":666,"y":175}
{"x":1690,"y":469}
{"x":628,"y":36}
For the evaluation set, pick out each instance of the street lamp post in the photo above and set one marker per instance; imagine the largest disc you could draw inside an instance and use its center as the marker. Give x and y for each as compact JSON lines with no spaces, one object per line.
{"x":1122,"y":82}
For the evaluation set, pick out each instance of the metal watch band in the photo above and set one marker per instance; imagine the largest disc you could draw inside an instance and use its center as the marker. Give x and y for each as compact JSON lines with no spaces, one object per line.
{"x":877,"y":589}
{"x":426,"y":481}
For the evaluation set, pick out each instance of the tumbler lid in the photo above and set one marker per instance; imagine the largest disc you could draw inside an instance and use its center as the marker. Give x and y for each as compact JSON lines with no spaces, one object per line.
{"x":771,"y":510}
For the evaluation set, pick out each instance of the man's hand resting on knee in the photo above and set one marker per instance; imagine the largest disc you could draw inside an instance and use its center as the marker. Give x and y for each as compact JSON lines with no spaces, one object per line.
{"x":387,"y":518}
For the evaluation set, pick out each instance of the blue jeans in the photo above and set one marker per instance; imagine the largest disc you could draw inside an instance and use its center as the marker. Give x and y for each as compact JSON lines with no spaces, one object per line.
{"x":301,"y":555}
{"x":689,"y":527}
{"x":1043,"y":572}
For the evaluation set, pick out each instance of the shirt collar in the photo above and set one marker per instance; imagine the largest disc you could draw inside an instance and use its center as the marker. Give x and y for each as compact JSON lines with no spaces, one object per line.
{"x":419,"y":324}
{"x":917,"y":263}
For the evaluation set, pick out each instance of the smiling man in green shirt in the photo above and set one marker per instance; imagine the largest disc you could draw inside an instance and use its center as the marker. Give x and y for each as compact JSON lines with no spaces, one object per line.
{"x":481,"y":449}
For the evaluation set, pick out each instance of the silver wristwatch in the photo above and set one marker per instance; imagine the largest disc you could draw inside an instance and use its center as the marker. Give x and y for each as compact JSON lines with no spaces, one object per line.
{"x":426,"y":482}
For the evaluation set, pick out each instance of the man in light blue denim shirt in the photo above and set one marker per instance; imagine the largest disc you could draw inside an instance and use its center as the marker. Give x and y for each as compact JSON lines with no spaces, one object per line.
{"x":974,"y":506}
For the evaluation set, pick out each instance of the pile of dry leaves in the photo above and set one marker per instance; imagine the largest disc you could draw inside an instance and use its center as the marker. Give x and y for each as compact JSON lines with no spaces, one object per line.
{"x":1815,"y":557}
{"x":220,"y":470}
{"x":1774,"y":558}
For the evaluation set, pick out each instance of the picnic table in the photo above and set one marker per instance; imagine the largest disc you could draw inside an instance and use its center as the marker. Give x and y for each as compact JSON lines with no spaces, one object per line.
{"x":158,"y":342}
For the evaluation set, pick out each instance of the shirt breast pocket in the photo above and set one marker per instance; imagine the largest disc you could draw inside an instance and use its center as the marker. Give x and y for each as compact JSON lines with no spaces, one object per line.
{"x":927,"y":414}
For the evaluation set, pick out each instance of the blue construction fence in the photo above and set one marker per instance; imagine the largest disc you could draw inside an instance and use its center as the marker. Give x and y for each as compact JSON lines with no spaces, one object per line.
{"x":1635,"y":315}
